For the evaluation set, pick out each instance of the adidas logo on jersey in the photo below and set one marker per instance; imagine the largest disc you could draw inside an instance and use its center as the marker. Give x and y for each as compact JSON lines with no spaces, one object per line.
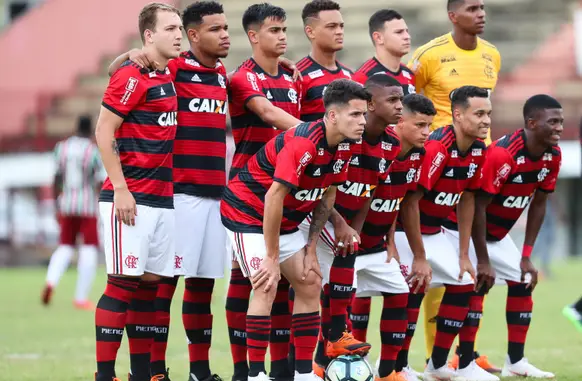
{"x":162,"y":92}
{"x":388,"y":180}
{"x":518,"y":180}
{"x":450,"y":173}
{"x":317,"y":172}
{"x":269,"y":96}
{"x":453,"y":72}
{"x":355,"y":161}
{"x":196,"y":78}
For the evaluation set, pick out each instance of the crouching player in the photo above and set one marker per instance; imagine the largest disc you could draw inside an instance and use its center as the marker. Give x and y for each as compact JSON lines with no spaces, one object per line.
{"x":520,"y":169}
{"x":295,"y":174}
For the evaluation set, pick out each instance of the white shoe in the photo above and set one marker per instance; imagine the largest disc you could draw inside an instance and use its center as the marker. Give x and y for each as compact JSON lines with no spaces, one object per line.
{"x":305,"y":377}
{"x":524,"y":369}
{"x":260,"y":377}
{"x":444,"y":373}
{"x":474,"y":372}
{"x":409,"y":374}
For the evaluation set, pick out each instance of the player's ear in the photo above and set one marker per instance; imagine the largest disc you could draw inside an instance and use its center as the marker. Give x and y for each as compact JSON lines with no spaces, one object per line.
{"x":452,"y":17}
{"x":377,"y":38}
{"x":193,"y":35}
{"x":371,"y":105}
{"x":309,"y":32}
{"x":148,"y":36}
{"x":253,"y":36}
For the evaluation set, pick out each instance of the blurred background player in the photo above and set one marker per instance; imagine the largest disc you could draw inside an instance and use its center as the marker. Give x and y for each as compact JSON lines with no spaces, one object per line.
{"x":135,"y":134}
{"x":391,"y":40}
{"x":199,"y":180}
{"x":521,"y":169}
{"x":78,"y":176}
{"x":263,"y":100}
{"x":573,"y":313}
{"x":310,"y":162}
{"x":378,"y":271}
{"x":456,"y":59}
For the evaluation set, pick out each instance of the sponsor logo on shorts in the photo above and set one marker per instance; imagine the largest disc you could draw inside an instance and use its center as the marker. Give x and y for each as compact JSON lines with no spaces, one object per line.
{"x":131,"y":261}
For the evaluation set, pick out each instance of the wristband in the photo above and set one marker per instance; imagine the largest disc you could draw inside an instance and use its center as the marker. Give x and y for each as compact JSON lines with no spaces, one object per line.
{"x":526,"y":251}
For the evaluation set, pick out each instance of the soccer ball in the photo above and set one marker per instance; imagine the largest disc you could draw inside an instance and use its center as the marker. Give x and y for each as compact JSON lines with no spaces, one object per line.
{"x":349,"y":368}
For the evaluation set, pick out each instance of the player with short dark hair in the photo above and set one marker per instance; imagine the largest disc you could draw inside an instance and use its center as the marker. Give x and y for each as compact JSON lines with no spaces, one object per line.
{"x":371,"y":158}
{"x":389,"y":34}
{"x":199,"y":180}
{"x":378,"y":271}
{"x":135,"y":133}
{"x":449,"y":173}
{"x":295,"y":174}
{"x":521,"y":169}
{"x":77,"y":178}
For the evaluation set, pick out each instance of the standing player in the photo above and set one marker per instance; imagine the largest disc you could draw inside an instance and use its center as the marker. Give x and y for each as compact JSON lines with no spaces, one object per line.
{"x":135,"y":134}
{"x":263,"y":100}
{"x":378,"y":274}
{"x":521,"y":169}
{"x":293,"y":175}
{"x":456,"y":59}
{"x":199,"y":180}
{"x":450,"y":170}
{"x":77,"y":178}
{"x":371,"y":159}
{"x":389,"y":34}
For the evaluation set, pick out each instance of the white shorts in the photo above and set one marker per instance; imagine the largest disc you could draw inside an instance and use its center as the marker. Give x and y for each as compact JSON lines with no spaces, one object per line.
{"x":374,"y":276}
{"x":200,"y":238}
{"x":442,"y":255}
{"x":325,"y":246}
{"x":250,"y":249}
{"x":503,"y":255}
{"x":147,"y":247}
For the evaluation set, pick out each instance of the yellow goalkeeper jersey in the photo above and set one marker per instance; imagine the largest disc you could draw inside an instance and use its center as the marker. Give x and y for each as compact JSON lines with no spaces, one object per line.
{"x":440,"y":66}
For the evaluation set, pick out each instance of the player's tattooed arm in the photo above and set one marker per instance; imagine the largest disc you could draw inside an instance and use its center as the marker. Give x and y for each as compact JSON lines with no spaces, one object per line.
{"x":115,"y":147}
{"x":320,"y":215}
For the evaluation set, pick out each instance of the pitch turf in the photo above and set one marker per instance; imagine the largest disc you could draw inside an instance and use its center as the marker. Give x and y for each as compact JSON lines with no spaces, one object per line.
{"x":57,"y":343}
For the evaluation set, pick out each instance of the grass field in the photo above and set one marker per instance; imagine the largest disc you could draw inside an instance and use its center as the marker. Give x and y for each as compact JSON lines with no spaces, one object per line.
{"x":57,"y":343}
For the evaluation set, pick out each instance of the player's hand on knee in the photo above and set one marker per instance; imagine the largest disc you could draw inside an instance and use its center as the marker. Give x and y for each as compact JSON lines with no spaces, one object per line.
{"x":466,"y":267}
{"x":268,"y":275}
{"x":420,"y":275}
{"x":527,"y":267}
{"x":125,"y":207}
{"x":310,"y":263}
{"x":485,"y":277}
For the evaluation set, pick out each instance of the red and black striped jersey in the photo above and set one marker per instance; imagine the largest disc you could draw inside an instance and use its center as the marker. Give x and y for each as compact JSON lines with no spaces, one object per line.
{"x":512,"y":176}
{"x":249,"y":131}
{"x":368,"y":166}
{"x":298,"y":158}
{"x":372,"y":66}
{"x":315,"y":81}
{"x":200,"y":145}
{"x":148,"y":105}
{"x":402,"y":178}
{"x":445,"y":174}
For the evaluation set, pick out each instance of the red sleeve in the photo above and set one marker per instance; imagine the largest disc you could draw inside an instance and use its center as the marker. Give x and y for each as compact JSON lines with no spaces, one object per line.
{"x":549,"y":183}
{"x":297,"y":153}
{"x":414,"y":183}
{"x":125,"y":91}
{"x":360,"y":77}
{"x":496,"y":170}
{"x":435,"y":160}
{"x":244,"y":85}
{"x":173,"y":67}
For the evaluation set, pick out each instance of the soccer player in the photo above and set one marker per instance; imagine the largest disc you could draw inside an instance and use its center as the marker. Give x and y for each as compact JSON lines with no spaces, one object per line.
{"x":450,"y":170}
{"x":378,"y":272}
{"x":77,"y":178}
{"x":263,"y":100}
{"x":135,"y":135}
{"x":199,"y":180}
{"x":521,"y":169}
{"x":372,"y":157}
{"x":389,"y":34}
{"x":295,"y":174}
{"x":450,"y":61}
{"x":324,"y":27}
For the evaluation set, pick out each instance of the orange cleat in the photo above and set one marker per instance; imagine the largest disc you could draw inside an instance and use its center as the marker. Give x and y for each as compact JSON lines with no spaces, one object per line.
{"x":319,"y":370}
{"x":158,"y":377}
{"x":112,"y":379}
{"x":346,"y":345}
{"x":483,"y":362}
{"x":85,"y":305}
{"x":454,"y":362}
{"x":394,"y":376}
{"x":47,"y":294}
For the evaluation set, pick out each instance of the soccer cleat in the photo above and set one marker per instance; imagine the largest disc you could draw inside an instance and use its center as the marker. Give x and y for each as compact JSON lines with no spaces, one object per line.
{"x":306,"y":377}
{"x":104,"y":379}
{"x":444,"y":373}
{"x":346,"y":345}
{"x":286,"y":376}
{"x":85,"y":305}
{"x":319,"y":370}
{"x":483,"y":362}
{"x":474,"y":372}
{"x":260,"y":377}
{"x":162,"y":376}
{"x":212,"y":377}
{"x":394,"y":376}
{"x":523,"y":368}
{"x":47,"y":294}
{"x":410,"y":374}
{"x":574,"y":316}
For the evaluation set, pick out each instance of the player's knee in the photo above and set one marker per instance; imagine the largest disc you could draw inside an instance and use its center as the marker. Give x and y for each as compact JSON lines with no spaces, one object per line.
{"x":309,"y":287}
{"x":148,"y":277}
{"x":266,"y":298}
